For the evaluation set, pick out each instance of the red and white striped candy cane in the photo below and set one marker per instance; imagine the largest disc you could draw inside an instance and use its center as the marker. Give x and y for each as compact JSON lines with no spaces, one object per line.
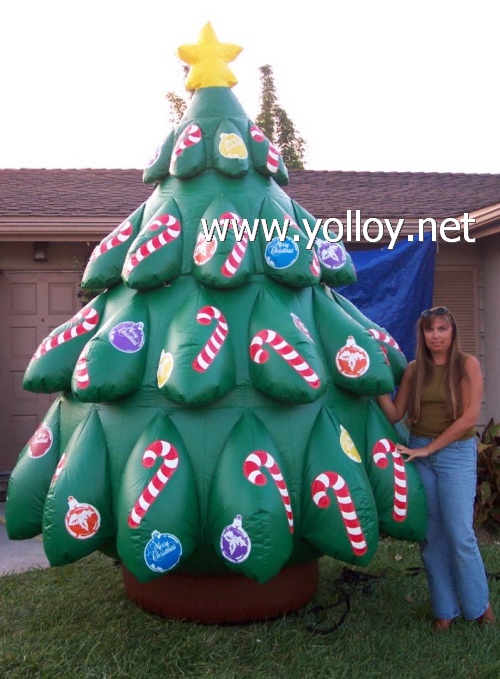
{"x":251,"y":469}
{"x":170,"y":462}
{"x":120,"y":235}
{"x":60,"y":466}
{"x":82,"y":376}
{"x":291,"y":222}
{"x":273,"y":155}
{"x":235,"y":257}
{"x":190,"y":136}
{"x":153,"y":244}
{"x":273,"y":159}
{"x":286,"y":351}
{"x":352,"y":525}
{"x":383,"y":337}
{"x":256,"y":133}
{"x":85,"y":321}
{"x":315,"y":265}
{"x":207,"y":355}
{"x":380,"y":451}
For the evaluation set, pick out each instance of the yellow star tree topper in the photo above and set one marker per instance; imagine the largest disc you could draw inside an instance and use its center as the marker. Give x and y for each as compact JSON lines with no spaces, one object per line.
{"x":208,"y":59}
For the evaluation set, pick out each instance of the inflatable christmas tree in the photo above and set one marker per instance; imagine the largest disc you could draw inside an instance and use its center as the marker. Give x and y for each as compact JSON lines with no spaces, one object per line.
{"x":217,"y":429}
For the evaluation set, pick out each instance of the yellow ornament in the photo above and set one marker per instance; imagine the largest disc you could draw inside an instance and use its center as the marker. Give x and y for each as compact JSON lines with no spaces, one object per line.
{"x":232,"y":146}
{"x":208,"y":59}
{"x":348,"y":446}
{"x":165,"y":367}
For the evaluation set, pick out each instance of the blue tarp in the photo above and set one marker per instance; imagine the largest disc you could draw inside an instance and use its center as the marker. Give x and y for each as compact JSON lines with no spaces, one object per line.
{"x":394,"y":286}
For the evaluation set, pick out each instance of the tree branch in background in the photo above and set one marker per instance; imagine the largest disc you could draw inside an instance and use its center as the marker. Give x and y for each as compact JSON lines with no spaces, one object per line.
{"x":276,"y":124}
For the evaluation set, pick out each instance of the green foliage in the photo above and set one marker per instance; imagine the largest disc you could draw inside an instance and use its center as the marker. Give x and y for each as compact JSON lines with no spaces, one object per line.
{"x":290,"y":143}
{"x":178,"y":103}
{"x":487,"y":505}
{"x":177,"y":106}
{"x":268,"y":102}
{"x":84,"y":295}
{"x":274,"y":121}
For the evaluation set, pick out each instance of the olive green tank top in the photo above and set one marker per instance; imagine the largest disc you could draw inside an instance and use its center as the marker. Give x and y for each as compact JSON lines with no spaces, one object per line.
{"x":434,"y":418}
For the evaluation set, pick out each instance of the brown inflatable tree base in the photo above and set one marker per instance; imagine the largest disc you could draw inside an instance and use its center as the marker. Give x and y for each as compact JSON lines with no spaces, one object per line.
{"x":219,"y":599}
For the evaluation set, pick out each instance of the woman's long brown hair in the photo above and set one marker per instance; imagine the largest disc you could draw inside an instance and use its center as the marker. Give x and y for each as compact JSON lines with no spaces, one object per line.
{"x":424,"y":367}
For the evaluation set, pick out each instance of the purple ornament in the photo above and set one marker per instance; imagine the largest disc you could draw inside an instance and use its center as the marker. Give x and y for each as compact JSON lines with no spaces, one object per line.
{"x":127,"y":337}
{"x":235,"y":544}
{"x":332,"y":255}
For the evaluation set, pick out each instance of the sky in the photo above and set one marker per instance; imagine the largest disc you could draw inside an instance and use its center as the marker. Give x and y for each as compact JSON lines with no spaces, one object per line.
{"x":371,"y":85}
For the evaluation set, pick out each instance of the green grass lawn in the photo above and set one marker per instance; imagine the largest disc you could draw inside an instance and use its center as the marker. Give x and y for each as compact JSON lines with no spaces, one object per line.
{"x":76,"y":622}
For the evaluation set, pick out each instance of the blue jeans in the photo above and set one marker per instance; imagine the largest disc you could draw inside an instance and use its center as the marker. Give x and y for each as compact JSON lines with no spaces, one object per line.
{"x":455,"y":571}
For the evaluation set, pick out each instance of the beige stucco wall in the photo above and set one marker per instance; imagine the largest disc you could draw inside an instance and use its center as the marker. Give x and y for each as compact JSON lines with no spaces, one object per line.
{"x":458,"y":259}
{"x":485,"y":253}
{"x":65,"y":256}
{"x":490,"y":250}
{"x":458,"y":253}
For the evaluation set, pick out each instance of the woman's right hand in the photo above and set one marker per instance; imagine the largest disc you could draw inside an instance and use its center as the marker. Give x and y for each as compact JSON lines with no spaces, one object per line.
{"x":412,"y":453}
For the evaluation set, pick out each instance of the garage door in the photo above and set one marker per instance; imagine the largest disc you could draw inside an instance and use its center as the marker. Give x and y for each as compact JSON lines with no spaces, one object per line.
{"x":31,"y":306}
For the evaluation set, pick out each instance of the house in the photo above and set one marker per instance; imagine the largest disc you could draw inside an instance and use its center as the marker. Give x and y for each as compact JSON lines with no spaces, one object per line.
{"x":50,"y":220}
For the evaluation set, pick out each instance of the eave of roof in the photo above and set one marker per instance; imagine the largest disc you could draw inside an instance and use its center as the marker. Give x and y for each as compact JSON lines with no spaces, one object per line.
{"x":87,"y":203}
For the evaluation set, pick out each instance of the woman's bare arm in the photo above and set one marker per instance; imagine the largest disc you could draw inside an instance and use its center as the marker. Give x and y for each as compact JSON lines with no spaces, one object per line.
{"x":472,"y":390}
{"x":395,"y":410}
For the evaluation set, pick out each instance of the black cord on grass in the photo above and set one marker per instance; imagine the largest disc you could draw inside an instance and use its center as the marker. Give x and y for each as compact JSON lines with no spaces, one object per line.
{"x":349,"y":579}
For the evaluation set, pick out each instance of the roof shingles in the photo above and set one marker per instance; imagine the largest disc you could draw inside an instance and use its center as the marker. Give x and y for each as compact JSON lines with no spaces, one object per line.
{"x":116,"y":193}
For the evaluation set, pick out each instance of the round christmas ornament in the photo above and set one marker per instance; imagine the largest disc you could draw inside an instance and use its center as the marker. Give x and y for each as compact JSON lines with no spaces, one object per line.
{"x":217,"y":428}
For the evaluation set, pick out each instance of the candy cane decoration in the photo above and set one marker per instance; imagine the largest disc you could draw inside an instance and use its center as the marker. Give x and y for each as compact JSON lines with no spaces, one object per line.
{"x":233,"y":261}
{"x":82,"y":376}
{"x":155,"y":157}
{"x":251,"y":469}
{"x":257,"y":134}
{"x":315,"y":265}
{"x":291,"y":223}
{"x":157,"y":153}
{"x":207,"y":355}
{"x":154,"y":244}
{"x":164,"y":472}
{"x":190,"y":136}
{"x":86,"y":320}
{"x":273,"y":159}
{"x":286,"y":351}
{"x":383,"y":337}
{"x":120,"y":235}
{"x":352,"y":525}
{"x":60,"y":466}
{"x":273,"y":155}
{"x":379,"y":453}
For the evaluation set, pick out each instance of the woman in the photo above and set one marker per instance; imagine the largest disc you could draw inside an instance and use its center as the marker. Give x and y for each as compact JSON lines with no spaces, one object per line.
{"x":441,"y":394}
